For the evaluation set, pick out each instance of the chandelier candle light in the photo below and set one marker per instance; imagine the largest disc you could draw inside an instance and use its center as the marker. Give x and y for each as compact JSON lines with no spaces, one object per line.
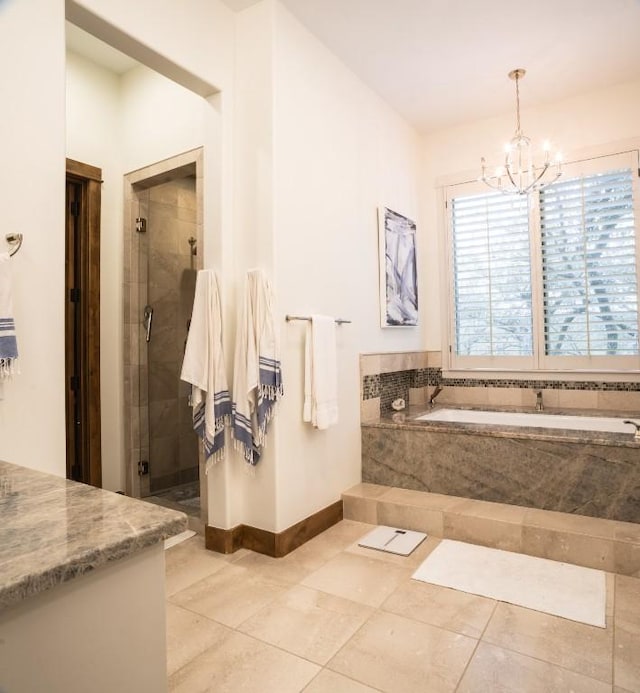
{"x":519,"y":175}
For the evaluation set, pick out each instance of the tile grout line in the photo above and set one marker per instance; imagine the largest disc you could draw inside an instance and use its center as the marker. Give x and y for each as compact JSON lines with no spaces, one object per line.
{"x":613,"y":628}
{"x":475,"y":649}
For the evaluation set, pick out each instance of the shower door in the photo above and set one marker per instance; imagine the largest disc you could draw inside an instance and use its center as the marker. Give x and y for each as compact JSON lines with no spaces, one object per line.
{"x":167,"y":255}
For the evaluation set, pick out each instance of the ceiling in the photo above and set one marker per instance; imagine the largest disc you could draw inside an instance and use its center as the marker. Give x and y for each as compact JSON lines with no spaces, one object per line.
{"x":444,"y":62}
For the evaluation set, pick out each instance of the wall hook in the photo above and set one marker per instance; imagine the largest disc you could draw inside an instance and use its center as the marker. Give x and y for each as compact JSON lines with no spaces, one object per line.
{"x":14,"y":239}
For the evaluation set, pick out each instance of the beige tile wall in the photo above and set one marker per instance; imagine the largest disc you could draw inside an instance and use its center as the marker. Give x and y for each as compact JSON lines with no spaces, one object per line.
{"x":372,"y":364}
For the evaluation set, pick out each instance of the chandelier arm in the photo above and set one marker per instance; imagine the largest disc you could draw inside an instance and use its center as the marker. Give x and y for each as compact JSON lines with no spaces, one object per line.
{"x":491,"y":184}
{"x":510,"y":176}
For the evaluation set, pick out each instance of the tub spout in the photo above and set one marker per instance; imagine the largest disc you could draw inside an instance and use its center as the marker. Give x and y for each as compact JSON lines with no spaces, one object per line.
{"x":434,"y":394}
{"x":539,"y":404}
{"x":636,"y":435}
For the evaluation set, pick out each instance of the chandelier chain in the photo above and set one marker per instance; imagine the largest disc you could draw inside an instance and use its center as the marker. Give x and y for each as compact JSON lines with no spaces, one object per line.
{"x":518,"y":130}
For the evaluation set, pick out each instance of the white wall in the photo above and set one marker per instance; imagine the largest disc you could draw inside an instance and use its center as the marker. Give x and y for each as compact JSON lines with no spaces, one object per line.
{"x":32,"y":425}
{"x":339,"y":153}
{"x":251,"y":498}
{"x":197,"y":37}
{"x":585,"y":121}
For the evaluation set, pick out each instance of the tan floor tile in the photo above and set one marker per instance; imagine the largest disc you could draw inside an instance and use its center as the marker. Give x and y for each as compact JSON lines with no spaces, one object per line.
{"x":308,"y":623}
{"x":188,"y":562}
{"x":446,"y":608}
{"x":316,"y":552}
{"x":336,"y":538}
{"x":412,"y":561}
{"x":626,"y":662}
{"x":229,"y":596}
{"x":363,"y":580}
{"x":395,"y":654}
{"x":188,"y":635}
{"x":495,"y":670}
{"x":330,"y":682}
{"x":290,"y":568}
{"x":241,"y":663}
{"x":627,"y":603}
{"x":575,"y":646}
{"x":626,"y":673}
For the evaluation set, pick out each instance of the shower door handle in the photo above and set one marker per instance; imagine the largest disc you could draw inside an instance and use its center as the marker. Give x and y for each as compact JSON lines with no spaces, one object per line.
{"x":148,"y":318}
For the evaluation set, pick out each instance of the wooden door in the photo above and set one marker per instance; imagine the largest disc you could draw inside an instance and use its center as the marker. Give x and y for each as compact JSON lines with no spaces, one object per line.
{"x":82,"y":323}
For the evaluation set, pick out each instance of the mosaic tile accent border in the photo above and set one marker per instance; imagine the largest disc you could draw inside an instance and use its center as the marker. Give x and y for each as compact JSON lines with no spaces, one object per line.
{"x":390,"y":386}
{"x":371,"y":386}
{"x":593,"y":385}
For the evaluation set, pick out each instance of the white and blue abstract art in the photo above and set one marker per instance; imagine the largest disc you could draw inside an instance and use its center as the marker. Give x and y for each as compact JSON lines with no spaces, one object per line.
{"x":398,"y":270}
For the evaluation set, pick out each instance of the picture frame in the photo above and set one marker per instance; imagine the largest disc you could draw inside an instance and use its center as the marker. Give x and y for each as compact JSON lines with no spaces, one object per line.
{"x":398,"y":269}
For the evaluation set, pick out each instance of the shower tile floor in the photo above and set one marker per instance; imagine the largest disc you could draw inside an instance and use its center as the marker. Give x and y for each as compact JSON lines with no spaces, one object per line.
{"x":185,"y":498}
{"x":333,"y":617}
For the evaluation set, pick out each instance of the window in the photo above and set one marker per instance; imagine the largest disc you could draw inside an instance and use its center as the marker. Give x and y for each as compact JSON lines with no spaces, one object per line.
{"x":547,"y":281}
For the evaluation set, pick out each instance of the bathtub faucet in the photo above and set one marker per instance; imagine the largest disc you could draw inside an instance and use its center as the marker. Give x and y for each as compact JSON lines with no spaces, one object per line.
{"x":434,"y":394}
{"x":539,"y":405}
{"x":637,"y":425}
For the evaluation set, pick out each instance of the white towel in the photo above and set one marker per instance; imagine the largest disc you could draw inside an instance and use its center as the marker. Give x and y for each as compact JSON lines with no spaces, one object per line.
{"x":320,"y":373}
{"x":204,"y":368}
{"x":8,"y":343}
{"x":257,"y":376}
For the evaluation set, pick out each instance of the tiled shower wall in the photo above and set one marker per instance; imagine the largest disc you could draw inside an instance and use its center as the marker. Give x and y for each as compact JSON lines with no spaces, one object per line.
{"x":413,"y":376}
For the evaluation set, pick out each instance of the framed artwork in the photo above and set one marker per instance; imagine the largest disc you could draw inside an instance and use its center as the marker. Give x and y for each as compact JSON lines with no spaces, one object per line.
{"x":398,"y":269}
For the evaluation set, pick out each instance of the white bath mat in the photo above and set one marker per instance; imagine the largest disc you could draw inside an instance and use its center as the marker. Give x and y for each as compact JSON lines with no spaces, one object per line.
{"x":561,"y":589}
{"x":178,"y":538}
{"x":392,"y":540}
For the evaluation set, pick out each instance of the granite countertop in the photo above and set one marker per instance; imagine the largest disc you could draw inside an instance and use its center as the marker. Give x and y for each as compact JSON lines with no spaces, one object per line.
{"x":53,"y":530}
{"x":406,"y":420}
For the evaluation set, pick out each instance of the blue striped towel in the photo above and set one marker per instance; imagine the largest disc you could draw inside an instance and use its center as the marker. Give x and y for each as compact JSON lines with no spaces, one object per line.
{"x":8,"y":342}
{"x":257,"y":375}
{"x":204,"y":368}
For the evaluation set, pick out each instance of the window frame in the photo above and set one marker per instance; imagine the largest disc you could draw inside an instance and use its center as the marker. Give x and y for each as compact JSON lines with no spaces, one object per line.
{"x":539,"y":361}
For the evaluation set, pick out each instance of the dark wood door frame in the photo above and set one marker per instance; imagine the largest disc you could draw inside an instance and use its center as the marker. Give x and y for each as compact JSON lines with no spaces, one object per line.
{"x":82,"y":322}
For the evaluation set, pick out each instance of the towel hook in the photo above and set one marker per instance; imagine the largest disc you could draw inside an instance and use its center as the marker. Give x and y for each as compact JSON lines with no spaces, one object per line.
{"x":14,"y":239}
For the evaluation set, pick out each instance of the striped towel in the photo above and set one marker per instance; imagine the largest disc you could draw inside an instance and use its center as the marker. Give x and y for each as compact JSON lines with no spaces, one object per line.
{"x":8,"y":343}
{"x":257,"y":375}
{"x":204,"y":368}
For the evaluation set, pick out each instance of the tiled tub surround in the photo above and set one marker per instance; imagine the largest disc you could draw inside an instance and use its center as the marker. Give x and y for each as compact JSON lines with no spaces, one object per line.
{"x":413,"y":377}
{"x":587,"y":473}
{"x":53,"y":530}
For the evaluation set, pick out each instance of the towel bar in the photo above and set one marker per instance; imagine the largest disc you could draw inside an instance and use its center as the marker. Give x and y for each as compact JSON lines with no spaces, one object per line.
{"x":289,"y":318}
{"x":14,"y":239}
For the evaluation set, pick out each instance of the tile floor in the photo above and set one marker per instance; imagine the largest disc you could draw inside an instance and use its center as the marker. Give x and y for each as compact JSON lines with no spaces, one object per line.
{"x":332,"y":617}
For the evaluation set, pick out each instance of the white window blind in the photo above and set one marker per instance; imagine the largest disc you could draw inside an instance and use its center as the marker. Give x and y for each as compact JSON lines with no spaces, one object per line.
{"x":547,"y":281}
{"x":589,"y":266}
{"x":492,"y":275}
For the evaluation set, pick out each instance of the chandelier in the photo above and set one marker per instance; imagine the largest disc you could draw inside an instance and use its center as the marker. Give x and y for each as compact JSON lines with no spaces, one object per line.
{"x":520,"y":175}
